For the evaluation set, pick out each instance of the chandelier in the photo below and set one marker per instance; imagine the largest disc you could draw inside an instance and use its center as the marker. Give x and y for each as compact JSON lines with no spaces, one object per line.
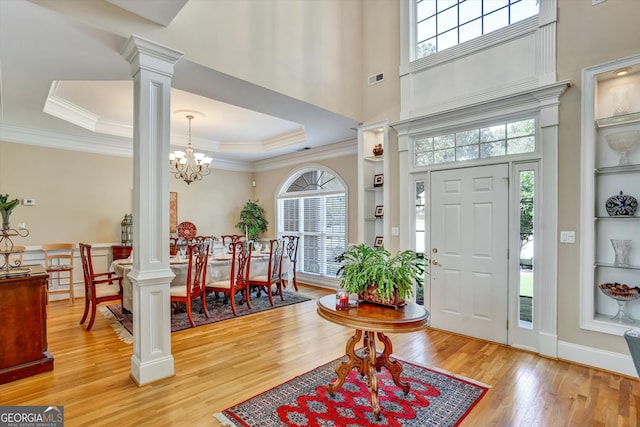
{"x":189,"y":166}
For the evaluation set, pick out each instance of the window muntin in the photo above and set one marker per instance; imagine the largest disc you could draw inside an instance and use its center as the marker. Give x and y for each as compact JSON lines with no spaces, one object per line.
{"x":441,"y":24}
{"x":481,"y":143}
{"x":313,"y":207}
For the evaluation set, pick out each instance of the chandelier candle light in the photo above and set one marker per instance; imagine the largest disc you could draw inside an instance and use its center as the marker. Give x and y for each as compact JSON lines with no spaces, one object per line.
{"x":189,"y":166}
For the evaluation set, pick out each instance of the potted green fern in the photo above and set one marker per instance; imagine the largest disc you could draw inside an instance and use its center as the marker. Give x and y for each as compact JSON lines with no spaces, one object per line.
{"x":377,"y":276}
{"x":252,"y":220}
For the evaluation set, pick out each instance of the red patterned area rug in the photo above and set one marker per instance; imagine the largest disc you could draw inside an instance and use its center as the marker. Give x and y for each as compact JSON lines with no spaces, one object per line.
{"x":435,"y":399}
{"x":218,"y":310}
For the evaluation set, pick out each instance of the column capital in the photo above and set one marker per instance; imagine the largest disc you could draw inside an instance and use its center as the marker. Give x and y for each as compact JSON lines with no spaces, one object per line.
{"x":145,"y":54}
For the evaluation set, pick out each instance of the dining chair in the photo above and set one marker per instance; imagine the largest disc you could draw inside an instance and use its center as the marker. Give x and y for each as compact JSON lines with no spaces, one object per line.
{"x":58,"y":262}
{"x":238,"y":280}
{"x":98,"y":287}
{"x":193,"y":287}
{"x":273,"y":274}
{"x":291,"y":249}
{"x":228,"y":240}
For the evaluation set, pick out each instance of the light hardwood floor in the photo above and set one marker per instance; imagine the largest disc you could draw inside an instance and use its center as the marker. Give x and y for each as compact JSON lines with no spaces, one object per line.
{"x":227,"y":362}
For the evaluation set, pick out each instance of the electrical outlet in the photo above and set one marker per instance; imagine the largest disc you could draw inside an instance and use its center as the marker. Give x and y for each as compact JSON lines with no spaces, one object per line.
{"x":28,"y":202}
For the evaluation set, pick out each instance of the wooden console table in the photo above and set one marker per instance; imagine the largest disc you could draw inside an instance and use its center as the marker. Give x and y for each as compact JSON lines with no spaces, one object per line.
{"x":370,"y":320}
{"x":121,"y":252}
{"x":23,"y":334}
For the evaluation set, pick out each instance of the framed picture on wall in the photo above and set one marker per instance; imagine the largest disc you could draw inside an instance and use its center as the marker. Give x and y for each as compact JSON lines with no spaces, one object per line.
{"x":378,"y":180}
{"x":377,"y":243}
{"x":173,"y":212}
{"x":379,"y":211}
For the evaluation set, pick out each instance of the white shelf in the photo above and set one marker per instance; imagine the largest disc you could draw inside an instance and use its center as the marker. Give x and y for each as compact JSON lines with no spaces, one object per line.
{"x":602,"y":177}
{"x":369,"y":196}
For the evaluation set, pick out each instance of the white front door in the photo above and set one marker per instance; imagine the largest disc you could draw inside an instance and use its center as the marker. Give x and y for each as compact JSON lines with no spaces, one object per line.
{"x":469,"y":251}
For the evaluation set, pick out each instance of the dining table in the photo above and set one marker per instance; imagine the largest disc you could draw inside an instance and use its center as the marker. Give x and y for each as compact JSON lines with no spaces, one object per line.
{"x":218,"y":268}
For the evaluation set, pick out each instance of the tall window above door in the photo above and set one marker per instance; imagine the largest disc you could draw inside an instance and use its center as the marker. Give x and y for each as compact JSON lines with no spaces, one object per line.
{"x":441,"y":24}
{"x":312,"y":204}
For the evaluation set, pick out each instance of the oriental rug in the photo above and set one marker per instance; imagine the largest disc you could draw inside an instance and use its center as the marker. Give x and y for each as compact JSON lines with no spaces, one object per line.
{"x":218,"y":311}
{"x":436,"y":398}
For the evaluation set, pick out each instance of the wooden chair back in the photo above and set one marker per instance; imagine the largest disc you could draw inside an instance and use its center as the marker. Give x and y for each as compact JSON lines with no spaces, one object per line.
{"x":58,"y":262}
{"x":228,"y":240}
{"x":194,"y":287}
{"x":273,"y":273}
{"x":98,"y":287}
{"x":240,"y":265}
{"x":239,"y":276}
{"x":197,"y":272}
{"x":291,"y":249}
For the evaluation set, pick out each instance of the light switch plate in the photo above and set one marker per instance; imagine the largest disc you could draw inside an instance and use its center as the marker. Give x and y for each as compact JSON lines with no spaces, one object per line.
{"x":567,"y":237}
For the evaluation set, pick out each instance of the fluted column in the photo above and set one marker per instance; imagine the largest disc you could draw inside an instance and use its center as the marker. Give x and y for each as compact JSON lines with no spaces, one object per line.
{"x":152,"y":70}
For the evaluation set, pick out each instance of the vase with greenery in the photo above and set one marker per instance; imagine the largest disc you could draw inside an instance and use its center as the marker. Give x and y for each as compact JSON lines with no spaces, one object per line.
{"x":6,"y":206}
{"x":378,"y":276}
{"x":252,"y":221}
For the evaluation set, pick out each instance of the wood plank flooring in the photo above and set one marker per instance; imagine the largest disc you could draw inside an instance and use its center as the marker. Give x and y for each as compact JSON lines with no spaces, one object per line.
{"x":227,"y":362}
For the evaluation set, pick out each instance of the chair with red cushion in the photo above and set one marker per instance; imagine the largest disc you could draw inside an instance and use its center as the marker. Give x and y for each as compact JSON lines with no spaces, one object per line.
{"x":273,"y":273}
{"x":98,"y":287}
{"x":238,"y":280}
{"x":196,"y":277}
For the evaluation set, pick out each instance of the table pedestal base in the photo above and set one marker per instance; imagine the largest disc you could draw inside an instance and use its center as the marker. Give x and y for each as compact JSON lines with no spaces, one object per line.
{"x":368,"y":363}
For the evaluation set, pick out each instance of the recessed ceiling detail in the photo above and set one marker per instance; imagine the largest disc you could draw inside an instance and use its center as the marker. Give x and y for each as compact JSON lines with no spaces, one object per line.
{"x":107,"y":107}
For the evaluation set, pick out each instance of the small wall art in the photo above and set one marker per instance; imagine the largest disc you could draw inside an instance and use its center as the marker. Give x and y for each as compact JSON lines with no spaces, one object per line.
{"x":378,"y":180}
{"x":379,"y":211}
{"x":377,"y":243}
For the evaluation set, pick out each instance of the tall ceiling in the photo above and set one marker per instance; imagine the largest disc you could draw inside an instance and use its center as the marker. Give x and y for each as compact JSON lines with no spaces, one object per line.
{"x":64,"y":84}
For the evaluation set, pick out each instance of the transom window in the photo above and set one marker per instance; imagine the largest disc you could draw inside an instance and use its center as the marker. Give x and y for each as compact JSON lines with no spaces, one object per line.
{"x":312,"y":205}
{"x":441,"y":24}
{"x":492,"y":141}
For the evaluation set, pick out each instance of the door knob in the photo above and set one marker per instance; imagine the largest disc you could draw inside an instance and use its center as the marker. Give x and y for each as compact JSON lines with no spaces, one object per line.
{"x":435,"y":262}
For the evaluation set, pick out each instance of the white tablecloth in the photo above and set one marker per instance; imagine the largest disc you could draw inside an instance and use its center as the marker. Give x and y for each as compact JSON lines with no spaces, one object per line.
{"x":217,"y":269}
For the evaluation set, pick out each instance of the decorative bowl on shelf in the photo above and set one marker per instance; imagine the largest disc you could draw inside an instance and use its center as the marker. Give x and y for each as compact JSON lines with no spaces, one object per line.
{"x":623,"y":143}
{"x":621,"y":205}
{"x":621,"y":294}
{"x":620,"y":291}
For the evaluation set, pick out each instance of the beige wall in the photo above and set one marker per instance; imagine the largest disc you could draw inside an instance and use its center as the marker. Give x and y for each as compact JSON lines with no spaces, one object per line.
{"x":587,"y":35}
{"x":83,"y":197}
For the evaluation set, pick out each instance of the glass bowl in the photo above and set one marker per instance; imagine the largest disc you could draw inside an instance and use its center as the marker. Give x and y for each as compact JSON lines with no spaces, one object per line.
{"x":623,"y":143}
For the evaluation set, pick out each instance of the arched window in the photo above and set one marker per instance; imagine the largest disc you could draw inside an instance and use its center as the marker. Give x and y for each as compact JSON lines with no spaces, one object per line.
{"x":312,"y":204}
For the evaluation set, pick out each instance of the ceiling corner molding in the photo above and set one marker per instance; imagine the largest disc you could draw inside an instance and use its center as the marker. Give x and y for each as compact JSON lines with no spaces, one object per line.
{"x":285,"y":139}
{"x":339,"y":149}
{"x":66,"y":141}
{"x":59,"y":107}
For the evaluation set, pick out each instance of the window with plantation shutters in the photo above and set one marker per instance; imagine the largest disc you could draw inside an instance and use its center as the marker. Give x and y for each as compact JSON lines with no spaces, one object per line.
{"x":312,"y":205}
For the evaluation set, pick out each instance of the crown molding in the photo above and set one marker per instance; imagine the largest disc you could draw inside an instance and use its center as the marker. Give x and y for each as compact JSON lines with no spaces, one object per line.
{"x":339,"y":149}
{"x":110,"y":146}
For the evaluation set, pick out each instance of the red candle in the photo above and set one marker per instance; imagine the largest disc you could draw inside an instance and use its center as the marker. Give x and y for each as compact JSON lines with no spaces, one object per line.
{"x":342,"y":300}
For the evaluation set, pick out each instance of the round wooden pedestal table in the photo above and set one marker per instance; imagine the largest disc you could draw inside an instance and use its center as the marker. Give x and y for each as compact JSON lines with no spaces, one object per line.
{"x":369,"y":321}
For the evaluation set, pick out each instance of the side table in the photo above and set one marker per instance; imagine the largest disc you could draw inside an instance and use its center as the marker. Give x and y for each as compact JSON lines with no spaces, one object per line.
{"x":369,"y":321}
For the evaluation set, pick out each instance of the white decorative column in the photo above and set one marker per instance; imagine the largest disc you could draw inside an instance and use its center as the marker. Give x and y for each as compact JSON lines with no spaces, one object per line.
{"x":152,"y":69}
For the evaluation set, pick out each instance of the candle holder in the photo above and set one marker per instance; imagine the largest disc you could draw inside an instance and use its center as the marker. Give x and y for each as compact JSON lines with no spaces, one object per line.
{"x":342,"y":299}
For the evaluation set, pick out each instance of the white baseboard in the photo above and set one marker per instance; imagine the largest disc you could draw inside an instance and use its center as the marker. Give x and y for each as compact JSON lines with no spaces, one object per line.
{"x":602,"y":359}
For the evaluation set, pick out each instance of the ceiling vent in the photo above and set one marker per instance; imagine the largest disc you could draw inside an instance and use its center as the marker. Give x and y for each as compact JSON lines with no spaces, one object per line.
{"x":376,"y":78}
